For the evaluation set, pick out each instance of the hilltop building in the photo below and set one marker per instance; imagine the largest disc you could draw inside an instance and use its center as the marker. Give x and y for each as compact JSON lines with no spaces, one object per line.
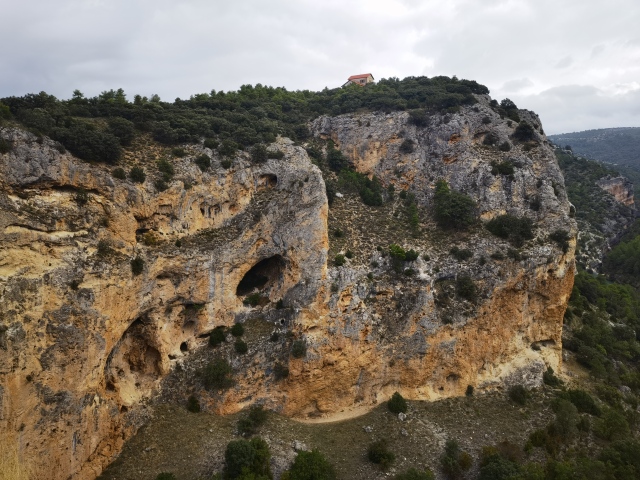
{"x":361,"y":79}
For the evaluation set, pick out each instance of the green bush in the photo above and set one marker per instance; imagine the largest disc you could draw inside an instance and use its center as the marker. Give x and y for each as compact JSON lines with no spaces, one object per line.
{"x":166,"y":476}
{"x":565,"y":424}
{"x":217,"y":374}
{"x":411,"y":255}
{"x":397,"y":404}
{"x":119,"y":173}
{"x":247,"y":459}
{"x":237,"y":330}
{"x":311,"y":466}
{"x":137,"y":265}
{"x":518,"y":394}
{"x":505,"y":147}
{"x":379,"y":453}
{"x":203,"y":162}
{"x":414,"y":474}
{"x":502,"y":168}
{"x":561,"y":237}
{"x":339,"y":260}
{"x":250,"y":424}
{"x":81,"y":197}
{"x":336,"y":160}
{"x":211,"y":143}
{"x":515,"y":229}
{"x":583,"y":402}
{"x":453,"y":209}
{"x":241,"y":347}
{"x":5,"y":146}
{"x":280,"y":371}
{"x":259,"y":154}
{"x":216,"y":337}
{"x":137,"y":175}
{"x":193,"y":405}
{"x":461,"y":254}
{"x":179,"y":152}
{"x":275,"y":154}
{"x":612,"y":426}
{"x":252,"y":299}
{"x":454,"y":462}
{"x":549,"y":378}
{"x":407,"y":146}
{"x":524,"y":132}
{"x":122,"y":129}
{"x":466,"y":288}
{"x":299,"y":349}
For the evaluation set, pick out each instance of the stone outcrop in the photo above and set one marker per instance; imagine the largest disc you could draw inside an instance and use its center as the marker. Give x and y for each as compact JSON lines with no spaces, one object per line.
{"x":620,"y":188}
{"x":85,"y":342}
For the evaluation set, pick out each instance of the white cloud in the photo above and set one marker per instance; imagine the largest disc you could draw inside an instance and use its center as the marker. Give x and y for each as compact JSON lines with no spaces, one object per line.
{"x":179,"y":48}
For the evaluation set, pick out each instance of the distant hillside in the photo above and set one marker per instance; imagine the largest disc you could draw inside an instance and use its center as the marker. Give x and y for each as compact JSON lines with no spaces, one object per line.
{"x":620,"y":146}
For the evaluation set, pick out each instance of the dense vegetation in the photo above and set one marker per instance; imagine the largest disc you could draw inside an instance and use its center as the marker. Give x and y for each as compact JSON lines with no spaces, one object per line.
{"x":580,"y":176}
{"x":620,"y":146}
{"x":622,"y":263}
{"x":96,"y":128}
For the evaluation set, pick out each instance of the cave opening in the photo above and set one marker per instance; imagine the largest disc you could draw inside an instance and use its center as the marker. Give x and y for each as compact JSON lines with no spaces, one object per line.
{"x":184,"y":347}
{"x":262,"y":275}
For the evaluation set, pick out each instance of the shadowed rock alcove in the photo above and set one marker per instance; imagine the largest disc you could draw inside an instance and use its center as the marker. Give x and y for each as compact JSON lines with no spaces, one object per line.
{"x":262,"y":276}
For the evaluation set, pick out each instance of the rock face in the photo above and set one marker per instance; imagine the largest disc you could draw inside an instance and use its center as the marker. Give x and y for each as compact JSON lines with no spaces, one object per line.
{"x":620,"y":188}
{"x":85,"y":341}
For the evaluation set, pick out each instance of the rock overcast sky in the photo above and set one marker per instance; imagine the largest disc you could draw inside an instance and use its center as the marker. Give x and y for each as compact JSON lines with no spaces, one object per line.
{"x":574,"y":62}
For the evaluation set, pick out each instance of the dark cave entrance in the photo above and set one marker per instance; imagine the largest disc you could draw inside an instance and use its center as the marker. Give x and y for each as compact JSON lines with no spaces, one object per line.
{"x":263,"y":274}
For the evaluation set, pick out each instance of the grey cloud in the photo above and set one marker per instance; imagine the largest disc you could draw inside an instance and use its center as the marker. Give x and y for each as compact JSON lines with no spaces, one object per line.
{"x":177,"y":49}
{"x":516,"y":85}
{"x":565,"y":62}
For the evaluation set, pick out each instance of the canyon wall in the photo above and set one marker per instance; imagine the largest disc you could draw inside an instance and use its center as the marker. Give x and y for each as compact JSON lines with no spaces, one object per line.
{"x":86,"y":343}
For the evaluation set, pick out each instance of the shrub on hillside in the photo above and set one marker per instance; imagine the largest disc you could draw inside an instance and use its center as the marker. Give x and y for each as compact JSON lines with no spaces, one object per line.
{"x":217,"y":374}
{"x":407,"y":146}
{"x":137,"y":175}
{"x":518,"y":394}
{"x":515,"y":229}
{"x":466,"y":288}
{"x":216,"y":337}
{"x":454,"y":462}
{"x":237,"y":330}
{"x":299,"y":349}
{"x":397,"y":404}
{"x":137,"y":265}
{"x":247,"y":459}
{"x":524,"y":132}
{"x":203,"y":162}
{"x":311,"y":466}
{"x":379,"y":453}
{"x":453,"y":209}
{"x":415,"y":474}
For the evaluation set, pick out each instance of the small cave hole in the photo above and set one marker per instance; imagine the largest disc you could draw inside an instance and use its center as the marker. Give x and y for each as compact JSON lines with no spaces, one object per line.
{"x":124,"y":409}
{"x":268,"y":180}
{"x":111,"y":387}
{"x":263,"y":274}
{"x":172,"y":357}
{"x":184,"y":347}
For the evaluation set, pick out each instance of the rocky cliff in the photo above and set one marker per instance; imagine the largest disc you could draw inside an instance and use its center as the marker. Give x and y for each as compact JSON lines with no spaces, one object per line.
{"x":86,"y":341}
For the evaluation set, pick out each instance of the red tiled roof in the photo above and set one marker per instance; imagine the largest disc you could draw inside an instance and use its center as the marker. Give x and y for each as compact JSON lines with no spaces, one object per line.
{"x":362,"y":75}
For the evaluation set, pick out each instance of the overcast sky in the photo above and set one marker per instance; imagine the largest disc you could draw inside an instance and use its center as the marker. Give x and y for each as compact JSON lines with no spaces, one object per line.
{"x":574,"y":62}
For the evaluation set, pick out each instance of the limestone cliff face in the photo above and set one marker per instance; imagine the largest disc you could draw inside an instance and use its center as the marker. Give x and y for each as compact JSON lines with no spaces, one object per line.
{"x":374,"y":338}
{"x":84,"y":341}
{"x":620,"y":188}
